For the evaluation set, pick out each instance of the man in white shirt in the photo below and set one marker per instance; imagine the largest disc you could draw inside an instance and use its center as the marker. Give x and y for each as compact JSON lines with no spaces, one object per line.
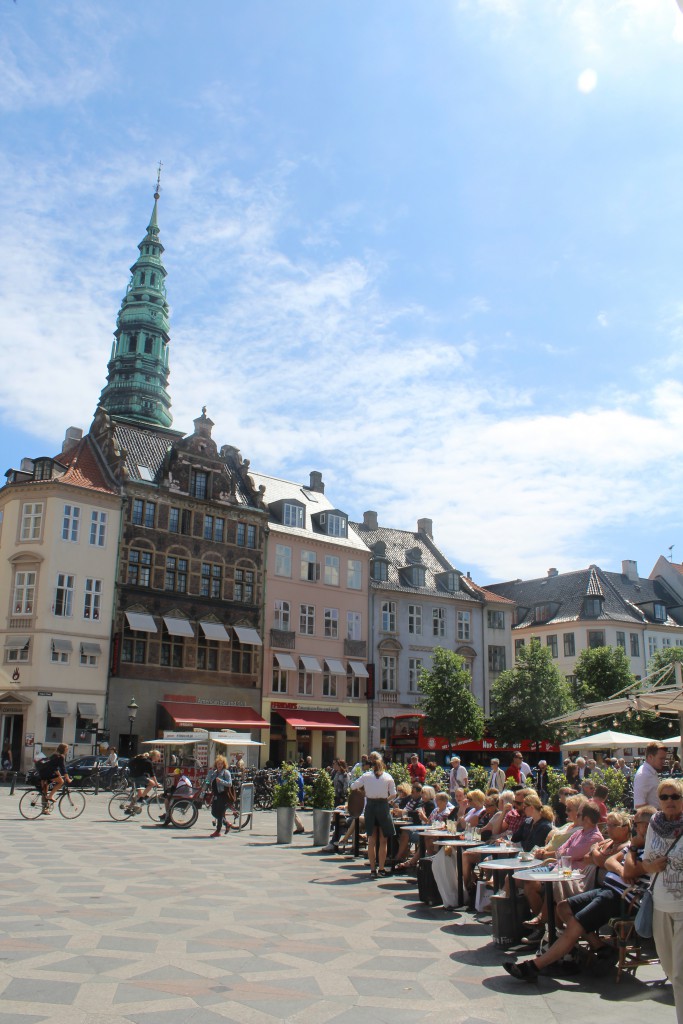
{"x":646,"y":779}
{"x":458,"y":776}
{"x":525,"y":769}
{"x":496,"y":779}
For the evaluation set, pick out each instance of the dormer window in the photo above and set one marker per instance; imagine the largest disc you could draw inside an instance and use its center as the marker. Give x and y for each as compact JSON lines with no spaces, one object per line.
{"x":293,"y":515}
{"x":543,"y":612}
{"x":592,"y":606}
{"x":449,"y":581}
{"x":413,"y":576}
{"x":379,"y":570}
{"x":336,"y":525}
{"x":42,"y":469}
{"x":659,"y":612}
{"x":520,"y":614}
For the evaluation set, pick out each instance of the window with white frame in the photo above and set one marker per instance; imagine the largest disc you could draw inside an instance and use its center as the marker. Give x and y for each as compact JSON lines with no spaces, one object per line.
{"x":596,"y":638}
{"x":71,"y":523}
{"x":175,"y":576}
{"x":389,"y":616}
{"x":551,"y":642}
{"x":307,"y":619}
{"x":24,"y":592}
{"x":635,"y":645}
{"x":659,"y":612}
{"x":293,"y":515}
{"x":621,"y":639}
{"x":279,"y":679}
{"x":353,"y":625}
{"x":463,"y":624}
{"x":306,"y":684}
{"x":388,"y":679}
{"x":666,"y":641}
{"x":92,"y":598}
{"x":88,"y":660}
{"x":64,"y":595}
{"x":329,"y":685}
{"x":310,"y":569}
{"x":336,"y":525}
{"x":651,"y":646}
{"x":414,"y":669}
{"x":243,"y":587}
{"x":519,"y":644}
{"x":139,"y":567}
{"x":282,"y":617}
{"x":283,"y":560}
{"x":495,"y":619}
{"x":354,"y":574}
{"x":379,"y":570}
{"x":569,"y":643}
{"x":332,"y":623}
{"x":415,"y":619}
{"x":353,"y":687}
{"x":438,"y":621}
{"x":17,"y":654}
{"x":331,"y":576}
{"x":98,"y":529}
{"x":58,"y":657}
{"x":32,"y":520}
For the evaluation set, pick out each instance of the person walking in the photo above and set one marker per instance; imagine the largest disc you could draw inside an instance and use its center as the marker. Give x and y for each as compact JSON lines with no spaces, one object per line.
{"x":220,"y":783}
{"x":663,"y":858}
{"x":380,"y":788}
{"x":496,"y":779}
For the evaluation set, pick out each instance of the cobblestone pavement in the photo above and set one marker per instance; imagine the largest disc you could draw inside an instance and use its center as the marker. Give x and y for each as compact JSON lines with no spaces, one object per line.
{"x":108,"y":923}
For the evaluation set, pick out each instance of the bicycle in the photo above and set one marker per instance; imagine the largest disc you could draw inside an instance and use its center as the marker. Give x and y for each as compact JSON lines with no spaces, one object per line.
{"x":124,"y":806}
{"x":184,"y":811}
{"x":71,"y":803}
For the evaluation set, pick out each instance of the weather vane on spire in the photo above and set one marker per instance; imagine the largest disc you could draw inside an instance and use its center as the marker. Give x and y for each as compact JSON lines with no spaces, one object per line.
{"x":158,"y":188}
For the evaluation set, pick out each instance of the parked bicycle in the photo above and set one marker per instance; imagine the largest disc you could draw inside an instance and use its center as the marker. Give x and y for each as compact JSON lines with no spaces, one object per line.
{"x":124,"y":806}
{"x":184,"y":811}
{"x":71,"y":803}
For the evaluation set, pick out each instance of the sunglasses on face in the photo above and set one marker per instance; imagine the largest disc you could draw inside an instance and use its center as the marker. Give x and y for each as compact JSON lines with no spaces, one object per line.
{"x":670,"y":796}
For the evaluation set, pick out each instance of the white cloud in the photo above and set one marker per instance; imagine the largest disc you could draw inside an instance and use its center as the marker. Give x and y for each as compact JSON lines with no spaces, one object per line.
{"x":603,"y":319}
{"x":587,"y":80}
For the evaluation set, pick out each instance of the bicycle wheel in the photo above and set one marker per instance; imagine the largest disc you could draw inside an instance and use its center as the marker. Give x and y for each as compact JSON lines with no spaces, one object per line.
{"x":155,"y":806}
{"x":119,"y":807}
{"x":31,"y":804}
{"x":183,"y":813}
{"x":239,"y":825}
{"x":71,"y":804}
{"x":120,"y":782}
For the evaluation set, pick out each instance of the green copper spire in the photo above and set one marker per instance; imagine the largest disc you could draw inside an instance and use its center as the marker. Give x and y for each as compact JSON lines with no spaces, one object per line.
{"x":137,"y":374}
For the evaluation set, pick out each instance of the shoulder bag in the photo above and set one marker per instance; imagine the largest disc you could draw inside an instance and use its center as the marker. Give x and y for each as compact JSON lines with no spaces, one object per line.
{"x":643,"y":921}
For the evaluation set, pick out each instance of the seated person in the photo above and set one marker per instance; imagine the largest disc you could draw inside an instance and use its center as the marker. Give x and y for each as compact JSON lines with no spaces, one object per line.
{"x":180,"y":787}
{"x":473,"y":810}
{"x":420,"y":808}
{"x":583,"y":914}
{"x":460,"y":804}
{"x":601,"y":794}
{"x":439,"y":815}
{"x":560,"y":834}
{"x":513,"y":817}
{"x":559,"y":804}
{"x":53,"y":774}
{"x":537,"y":824}
{"x":496,"y":807}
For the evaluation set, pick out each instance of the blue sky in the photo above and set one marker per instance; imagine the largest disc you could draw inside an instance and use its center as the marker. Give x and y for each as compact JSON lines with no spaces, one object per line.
{"x":430,"y":249}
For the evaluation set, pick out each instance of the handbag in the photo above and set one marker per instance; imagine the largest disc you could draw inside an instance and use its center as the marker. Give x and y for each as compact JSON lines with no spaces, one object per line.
{"x":643,"y":921}
{"x":356,"y":802}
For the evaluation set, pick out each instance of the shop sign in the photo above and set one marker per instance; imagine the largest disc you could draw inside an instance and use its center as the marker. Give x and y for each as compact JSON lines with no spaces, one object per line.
{"x":44,"y":693}
{"x":12,"y":709}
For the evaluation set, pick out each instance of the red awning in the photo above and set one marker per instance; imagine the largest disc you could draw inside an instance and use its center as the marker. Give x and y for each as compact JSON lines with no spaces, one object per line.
{"x":213,"y":716}
{"x":317,"y":720}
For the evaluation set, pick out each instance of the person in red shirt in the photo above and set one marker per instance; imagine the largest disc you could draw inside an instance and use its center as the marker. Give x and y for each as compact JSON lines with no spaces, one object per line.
{"x":515,"y":769}
{"x":418,"y":772}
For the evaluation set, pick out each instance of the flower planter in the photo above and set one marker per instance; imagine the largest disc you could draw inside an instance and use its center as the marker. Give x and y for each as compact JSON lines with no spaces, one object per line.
{"x":285,"y":824}
{"x":321,"y":826}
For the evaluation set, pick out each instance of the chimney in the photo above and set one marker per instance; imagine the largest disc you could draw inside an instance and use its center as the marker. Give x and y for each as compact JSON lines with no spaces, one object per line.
{"x":425,"y":526}
{"x":370,"y":520}
{"x":317,"y":482}
{"x":553,"y":572}
{"x":73,"y":436}
{"x":26,"y":465}
{"x":629,"y":568}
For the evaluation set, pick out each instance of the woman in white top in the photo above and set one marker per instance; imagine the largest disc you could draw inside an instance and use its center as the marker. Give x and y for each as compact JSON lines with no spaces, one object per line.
{"x":663,"y":857}
{"x":380,"y":788}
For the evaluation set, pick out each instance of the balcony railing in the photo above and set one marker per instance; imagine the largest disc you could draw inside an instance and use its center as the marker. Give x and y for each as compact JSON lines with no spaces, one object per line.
{"x":282,"y":638}
{"x":387,"y":697}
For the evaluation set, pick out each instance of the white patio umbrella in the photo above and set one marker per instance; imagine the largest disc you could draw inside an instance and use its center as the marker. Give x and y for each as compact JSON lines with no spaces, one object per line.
{"x":609,"y":740}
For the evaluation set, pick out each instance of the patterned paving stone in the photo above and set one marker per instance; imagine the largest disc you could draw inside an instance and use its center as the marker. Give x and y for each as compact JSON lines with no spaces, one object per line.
{"x":136,"y":925}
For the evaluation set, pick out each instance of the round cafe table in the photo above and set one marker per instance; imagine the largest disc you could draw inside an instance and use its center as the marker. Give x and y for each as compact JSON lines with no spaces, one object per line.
{"x":547,"y":877}
{"x":504,"y":868}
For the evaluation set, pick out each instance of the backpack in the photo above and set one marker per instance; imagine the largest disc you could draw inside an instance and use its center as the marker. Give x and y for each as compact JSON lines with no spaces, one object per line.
{"x":47,"y":768}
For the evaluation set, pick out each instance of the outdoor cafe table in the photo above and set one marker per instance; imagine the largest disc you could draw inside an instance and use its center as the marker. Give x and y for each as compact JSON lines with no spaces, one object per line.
{"x":459,"y":845}
{"x":528,"y":874}
{"x":507,"y":866}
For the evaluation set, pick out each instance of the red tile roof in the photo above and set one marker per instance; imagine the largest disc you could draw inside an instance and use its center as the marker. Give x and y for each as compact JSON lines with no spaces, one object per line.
{"x":83,"y":468}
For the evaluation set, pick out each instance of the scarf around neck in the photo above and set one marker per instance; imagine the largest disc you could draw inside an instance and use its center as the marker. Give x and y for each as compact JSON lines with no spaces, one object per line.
{"x":665,"y":827}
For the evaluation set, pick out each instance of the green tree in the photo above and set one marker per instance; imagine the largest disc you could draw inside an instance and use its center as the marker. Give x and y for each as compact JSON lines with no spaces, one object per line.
{"x":601,"y":672}
{"x":523,"y":697}
{"x":447,"y":700}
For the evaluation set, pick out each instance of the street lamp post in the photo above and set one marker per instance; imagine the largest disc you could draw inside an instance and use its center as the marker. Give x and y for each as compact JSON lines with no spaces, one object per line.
{"x":132,"y":712}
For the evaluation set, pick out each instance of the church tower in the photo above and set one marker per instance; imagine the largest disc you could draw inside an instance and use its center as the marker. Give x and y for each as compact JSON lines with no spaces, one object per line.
{"x":137,"y":373}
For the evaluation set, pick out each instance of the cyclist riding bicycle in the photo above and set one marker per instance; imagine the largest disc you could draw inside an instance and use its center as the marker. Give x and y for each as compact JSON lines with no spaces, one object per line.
{"x":142,"y":772}
{"x":53,"y":774}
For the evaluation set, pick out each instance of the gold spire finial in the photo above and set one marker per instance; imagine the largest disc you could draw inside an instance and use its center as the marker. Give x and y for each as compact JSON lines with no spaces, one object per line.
{"x":158,"y":188}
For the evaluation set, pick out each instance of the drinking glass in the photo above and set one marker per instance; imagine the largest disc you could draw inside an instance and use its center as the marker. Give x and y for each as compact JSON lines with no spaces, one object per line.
{"x":566,"y":866}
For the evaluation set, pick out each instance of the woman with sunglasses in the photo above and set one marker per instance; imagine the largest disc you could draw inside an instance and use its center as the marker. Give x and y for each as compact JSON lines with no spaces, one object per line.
{"x":664,"y":857}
